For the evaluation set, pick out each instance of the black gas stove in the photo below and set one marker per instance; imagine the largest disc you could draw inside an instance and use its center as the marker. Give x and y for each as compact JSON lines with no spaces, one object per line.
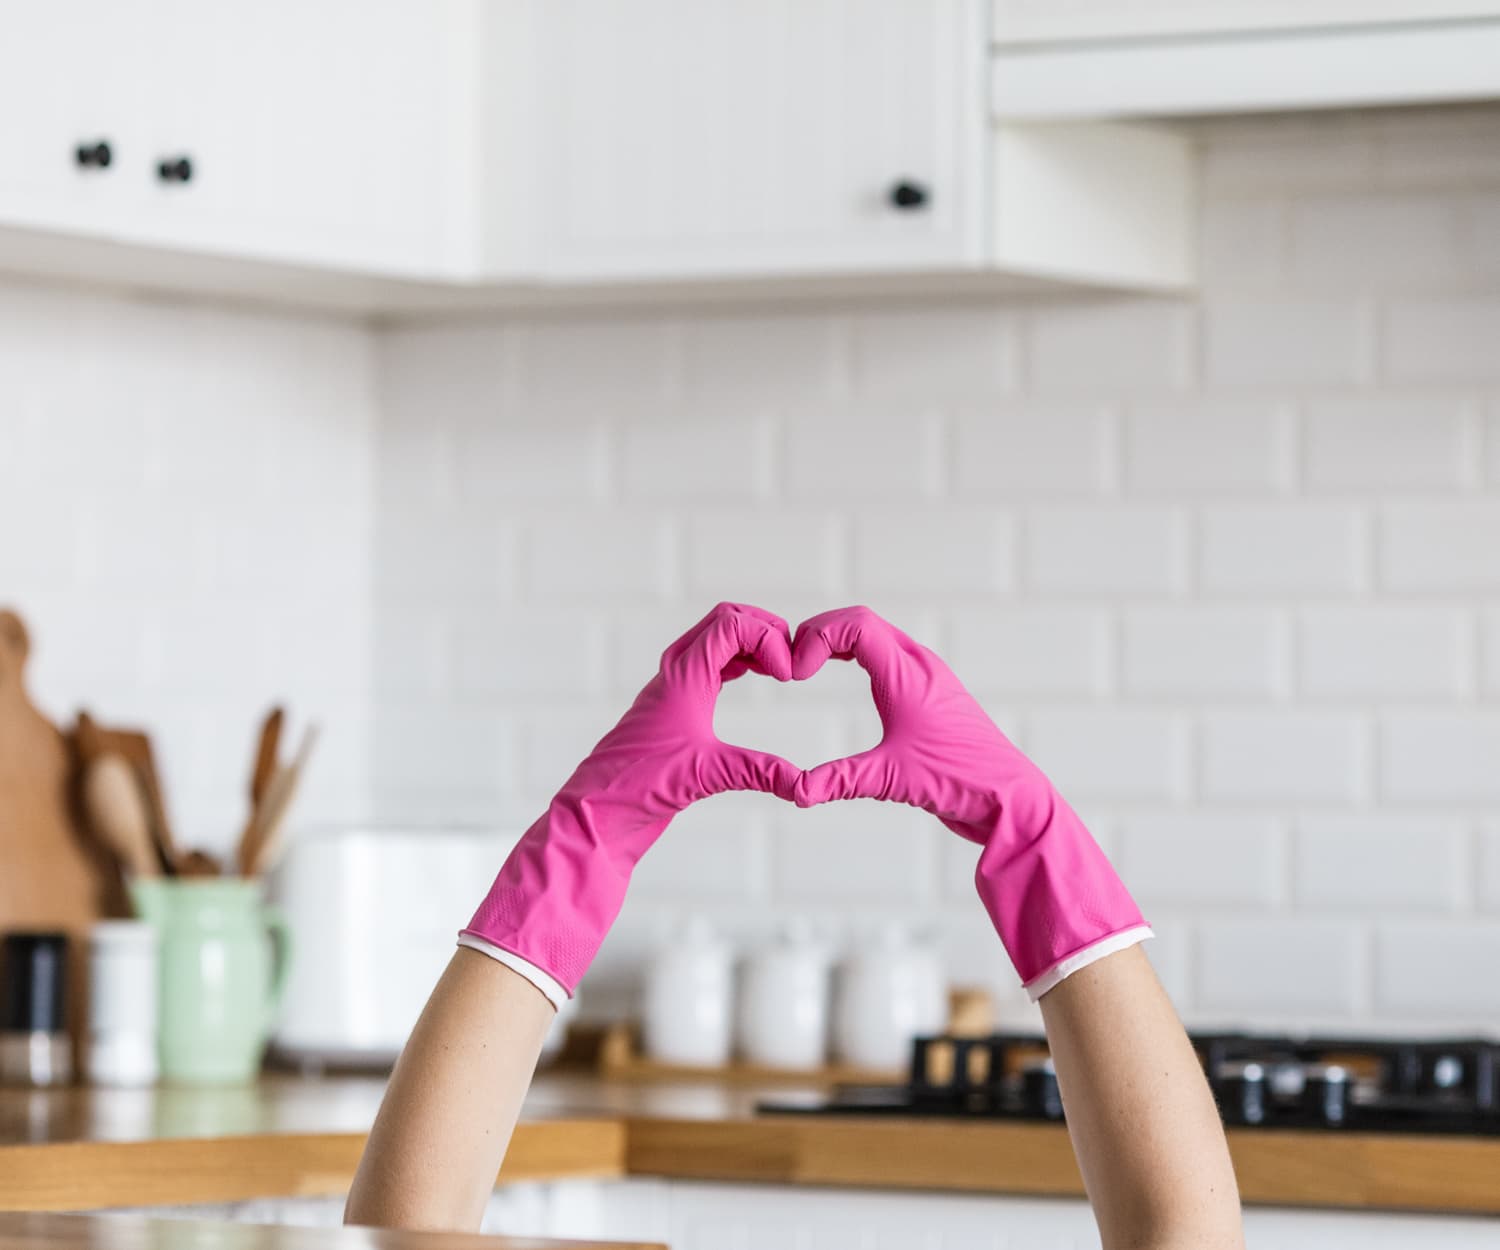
{"x":1260,"y":1081}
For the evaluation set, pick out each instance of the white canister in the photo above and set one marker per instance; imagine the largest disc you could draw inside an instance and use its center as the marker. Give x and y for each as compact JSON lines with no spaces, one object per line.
{"x":687,"y":1009}
{"x":887,"y":992}
{"x":120,"y":1047}
{"x":783,"y":1003}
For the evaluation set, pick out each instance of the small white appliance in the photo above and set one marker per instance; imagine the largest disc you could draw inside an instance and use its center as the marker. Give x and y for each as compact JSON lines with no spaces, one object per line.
{"x":374,"y":916}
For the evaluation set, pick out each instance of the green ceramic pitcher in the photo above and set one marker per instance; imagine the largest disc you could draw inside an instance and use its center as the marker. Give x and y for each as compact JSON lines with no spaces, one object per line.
{"x":224,"y":959}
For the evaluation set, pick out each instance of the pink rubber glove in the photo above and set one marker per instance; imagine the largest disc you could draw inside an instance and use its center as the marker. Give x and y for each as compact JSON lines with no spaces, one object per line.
{"x":1054,"y":898}
{"x":561,"y":888}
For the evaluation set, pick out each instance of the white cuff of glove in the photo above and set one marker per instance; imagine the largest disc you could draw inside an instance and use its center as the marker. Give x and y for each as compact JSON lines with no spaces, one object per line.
{"x":1082,"y":959}
{"x":548,"y":985}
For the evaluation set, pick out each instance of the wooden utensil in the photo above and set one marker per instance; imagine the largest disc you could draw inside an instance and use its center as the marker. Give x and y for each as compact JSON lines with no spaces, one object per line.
{"x":118,"y":812}
{"x":262,"y":774}
{"x":92,"y":740}
{"x":267,"y":753}
{"x":266,"y":844}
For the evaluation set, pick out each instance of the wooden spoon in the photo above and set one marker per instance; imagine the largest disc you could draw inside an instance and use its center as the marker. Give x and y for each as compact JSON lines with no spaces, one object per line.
{"x":271,"y":827}
{"x":119,"y":815}
{"x":262,"y":776}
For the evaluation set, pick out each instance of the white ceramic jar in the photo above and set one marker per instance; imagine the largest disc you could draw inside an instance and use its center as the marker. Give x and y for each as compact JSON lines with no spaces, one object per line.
{"x":887,"y":991}
{"x":687,"y":1008}
{"x":783,"y":1003}
{"x":120,"y":1047}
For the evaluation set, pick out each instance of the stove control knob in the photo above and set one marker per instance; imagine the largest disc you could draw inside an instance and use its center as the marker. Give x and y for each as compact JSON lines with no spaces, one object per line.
{"x":1039,"y":1092}
{"x":1326,"y":1095}
{"x":1242,"y":1093}
{"x":1447,"y":1072}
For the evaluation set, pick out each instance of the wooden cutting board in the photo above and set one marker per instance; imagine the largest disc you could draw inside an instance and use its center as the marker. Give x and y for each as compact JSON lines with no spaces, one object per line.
{"x":51,"y":875}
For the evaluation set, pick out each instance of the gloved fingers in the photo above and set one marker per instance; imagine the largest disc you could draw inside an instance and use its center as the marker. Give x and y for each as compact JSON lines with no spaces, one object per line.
{"x":871,"y":774}
{"x":740,"y":768}
{"x":734,"y":642}
{"x":854,"y":633}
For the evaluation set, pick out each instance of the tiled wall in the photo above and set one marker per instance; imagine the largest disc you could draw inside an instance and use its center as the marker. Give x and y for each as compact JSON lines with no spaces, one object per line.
{"x":186,"y":507}
{"x":1229,"y":567}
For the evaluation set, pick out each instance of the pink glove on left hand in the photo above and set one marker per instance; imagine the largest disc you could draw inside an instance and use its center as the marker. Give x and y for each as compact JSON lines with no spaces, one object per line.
{"x":1053,"y":896}
{"x":561,"y":888}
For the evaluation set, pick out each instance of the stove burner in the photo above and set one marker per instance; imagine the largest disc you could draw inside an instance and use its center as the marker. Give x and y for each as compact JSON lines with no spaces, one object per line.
{"x":1259,"y":1081}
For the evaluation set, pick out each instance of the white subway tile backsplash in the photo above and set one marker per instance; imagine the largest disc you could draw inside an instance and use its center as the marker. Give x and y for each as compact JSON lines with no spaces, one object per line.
{"x":1380,"y":860}
{"x":1491,"y":649}
{"x":1106,"y":348}
{"x":592,"y":362}
{"x":1373,"y":238}
{"x":1277,"y":964}
{"x":1427,"y":970}
{"x":665,"y":462}
{"x":934,"y":352}
{"x":1479,"y":231}
{"x":1111,"y":753}
{"x":1488,"y":877}
{"x":759,"y":556}
{"x":882,"y":457}
{"x":1105,"y":550}
{"x":538,"y":654}
{"x":1440,"y":756}
{"x":1282,"y":548}
{"x":1178,"y":858}
{"x":1032,"y":651}
{"x":1294,"y":755}
{"x":1391,"y":442}
{"x":505,"y":465}
{"x":1243,"y":244}
{"x":1275,"y":342}
{"x":1442,"y":339}
{"x":1441,"y":546}
{"x":856,"y":851}
{"x":1042,"y":449}
{"x":1204,"y":447}
{"x":968,"y":552}
{"x":716,"y":852}
{"x":592,"y":555}
{"x":1190,"y":651}
{"x":748,"y":358}
{"x":1384,"y":652}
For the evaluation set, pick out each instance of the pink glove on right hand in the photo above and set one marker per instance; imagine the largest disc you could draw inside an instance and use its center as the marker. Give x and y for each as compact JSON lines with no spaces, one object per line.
{"x":1053,"y":896}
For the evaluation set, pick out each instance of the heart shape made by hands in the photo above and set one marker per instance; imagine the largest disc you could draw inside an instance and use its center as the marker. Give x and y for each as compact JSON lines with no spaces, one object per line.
{"x":806,"y":722}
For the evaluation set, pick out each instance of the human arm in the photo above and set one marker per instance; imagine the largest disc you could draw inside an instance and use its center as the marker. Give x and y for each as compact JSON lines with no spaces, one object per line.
{"x":453,"y":1099}
{"x":452,"y":1102}
{"x":1143,"y":1124}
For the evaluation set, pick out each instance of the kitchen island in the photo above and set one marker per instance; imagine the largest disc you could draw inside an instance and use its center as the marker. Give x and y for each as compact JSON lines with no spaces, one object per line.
{"x":286,"y":1136}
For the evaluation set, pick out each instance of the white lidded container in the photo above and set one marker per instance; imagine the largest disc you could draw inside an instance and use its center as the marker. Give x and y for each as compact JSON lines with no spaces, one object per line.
{"x":782,"y":1019}
{"x":687,"y":1007}
{"x":120,"y":1046}
{"x":887,"y":992}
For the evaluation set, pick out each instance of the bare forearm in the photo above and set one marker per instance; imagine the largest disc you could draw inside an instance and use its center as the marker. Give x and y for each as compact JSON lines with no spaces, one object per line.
{"x":452,"y":1102}
{"x":1148,"y":1138}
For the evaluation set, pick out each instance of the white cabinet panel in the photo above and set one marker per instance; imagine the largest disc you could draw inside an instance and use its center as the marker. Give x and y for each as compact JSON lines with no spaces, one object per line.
{"x":702,"y":137}
{"x":1022,"y":20}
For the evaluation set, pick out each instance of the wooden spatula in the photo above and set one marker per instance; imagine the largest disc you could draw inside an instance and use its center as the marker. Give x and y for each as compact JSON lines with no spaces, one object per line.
{"x":262,"y":774}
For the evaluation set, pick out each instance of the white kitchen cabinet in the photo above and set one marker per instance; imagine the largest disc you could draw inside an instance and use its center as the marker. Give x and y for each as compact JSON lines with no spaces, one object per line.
{"x":1047,"y":20}
{"x":302,"y":133}
{"x":689,"y":138}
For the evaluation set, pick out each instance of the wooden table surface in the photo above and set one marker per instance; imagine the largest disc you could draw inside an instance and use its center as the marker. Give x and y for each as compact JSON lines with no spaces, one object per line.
{"x":127,"y":1232}
{"x":288,"y":1137}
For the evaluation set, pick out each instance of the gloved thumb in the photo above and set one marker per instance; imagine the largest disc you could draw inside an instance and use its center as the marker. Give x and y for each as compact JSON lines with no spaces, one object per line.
{"x":868,"y":775}
{"x":743,"y":769}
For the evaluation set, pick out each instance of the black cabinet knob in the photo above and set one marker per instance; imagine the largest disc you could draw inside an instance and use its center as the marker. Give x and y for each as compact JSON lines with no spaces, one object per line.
{"x":175,"y":169}
{"x":96,"y":155}
{"x":907,"y":195}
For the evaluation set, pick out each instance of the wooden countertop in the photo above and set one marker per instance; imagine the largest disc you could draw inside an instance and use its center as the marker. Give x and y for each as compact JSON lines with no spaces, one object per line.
{"x":88,"y":1149}
{"x":128,"y":1232}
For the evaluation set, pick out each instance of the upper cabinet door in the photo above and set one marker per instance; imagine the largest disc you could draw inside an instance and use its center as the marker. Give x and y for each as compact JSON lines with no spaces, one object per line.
{"x":693,"y":138}
{"x":1040,"y":20}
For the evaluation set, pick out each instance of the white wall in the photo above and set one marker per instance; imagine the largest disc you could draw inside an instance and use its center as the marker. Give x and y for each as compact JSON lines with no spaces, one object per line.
{"x":186,"y":506}
{"x":1229,"y":567}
